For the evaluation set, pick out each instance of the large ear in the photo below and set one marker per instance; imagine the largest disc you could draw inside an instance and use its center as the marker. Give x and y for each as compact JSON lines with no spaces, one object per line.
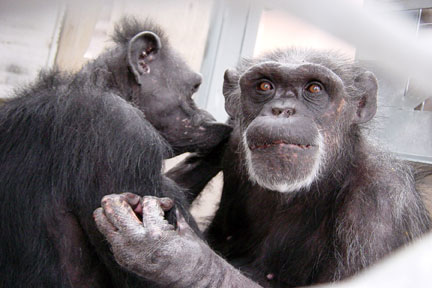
{"x":142,"y":49}
{"x":231,"y":92}
{"x":367,"y":105}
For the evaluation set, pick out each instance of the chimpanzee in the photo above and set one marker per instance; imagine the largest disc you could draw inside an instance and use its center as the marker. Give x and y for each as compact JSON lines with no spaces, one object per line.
{"x":69,"y":139}
{"x":306,"y":198}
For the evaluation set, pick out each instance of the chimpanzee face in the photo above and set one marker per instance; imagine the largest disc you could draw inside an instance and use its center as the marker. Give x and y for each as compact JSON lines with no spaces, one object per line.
{"x":166,"y":87}
{"x":290,"y":118}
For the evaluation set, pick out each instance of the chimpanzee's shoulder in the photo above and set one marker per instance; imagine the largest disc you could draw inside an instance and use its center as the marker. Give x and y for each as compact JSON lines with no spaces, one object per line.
{"x":384,"y":168}
{"x":380,"y":182}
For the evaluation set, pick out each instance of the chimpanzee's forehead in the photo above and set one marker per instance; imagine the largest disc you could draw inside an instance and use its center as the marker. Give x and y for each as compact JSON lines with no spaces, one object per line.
{"x":290,"y":71}
{"x":288,"y":66}
{"x":333,"y":60}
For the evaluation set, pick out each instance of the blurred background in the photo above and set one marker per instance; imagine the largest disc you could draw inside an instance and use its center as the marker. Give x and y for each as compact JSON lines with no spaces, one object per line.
{"x":391,"y":37}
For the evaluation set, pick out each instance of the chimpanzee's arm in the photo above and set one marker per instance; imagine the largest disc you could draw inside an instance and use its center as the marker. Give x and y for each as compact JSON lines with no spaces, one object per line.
{"x":156,"y":251}
{"x":196,"y":170}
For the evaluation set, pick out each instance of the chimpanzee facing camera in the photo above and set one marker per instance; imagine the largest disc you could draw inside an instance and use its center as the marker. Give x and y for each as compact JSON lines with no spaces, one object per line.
{"x":70,"y":139}
{"x":306,"y":198}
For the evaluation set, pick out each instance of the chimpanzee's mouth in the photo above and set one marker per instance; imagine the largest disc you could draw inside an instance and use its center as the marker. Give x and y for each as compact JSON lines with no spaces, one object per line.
{"x":280,"y":143}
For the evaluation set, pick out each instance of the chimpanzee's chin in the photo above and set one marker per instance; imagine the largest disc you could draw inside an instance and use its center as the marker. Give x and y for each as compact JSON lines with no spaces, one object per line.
{"x":201,"y":139}
{"x":291,"y":166}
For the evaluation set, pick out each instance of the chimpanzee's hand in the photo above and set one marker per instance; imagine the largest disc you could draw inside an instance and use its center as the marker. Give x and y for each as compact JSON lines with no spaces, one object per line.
{"x":152,"y":248}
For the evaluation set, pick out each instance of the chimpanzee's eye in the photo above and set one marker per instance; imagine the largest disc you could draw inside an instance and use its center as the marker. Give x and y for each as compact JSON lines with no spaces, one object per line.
{"x":314,"y":87}
{"x":264,"y":86}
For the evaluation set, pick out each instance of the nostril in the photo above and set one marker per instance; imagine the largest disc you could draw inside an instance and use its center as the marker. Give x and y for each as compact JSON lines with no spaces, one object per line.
{"x":276,"y":111}
{"x":284,"y":112}
{"x":290,"y":112}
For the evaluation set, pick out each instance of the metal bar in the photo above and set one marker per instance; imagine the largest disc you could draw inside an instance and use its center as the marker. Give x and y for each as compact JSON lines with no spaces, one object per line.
{"x":227,"y":44}
{"x":416,"y":34}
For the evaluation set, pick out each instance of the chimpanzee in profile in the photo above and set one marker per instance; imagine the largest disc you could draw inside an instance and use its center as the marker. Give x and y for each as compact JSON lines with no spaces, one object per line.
{"x":69,"y":139}
{"x":306,"y":198}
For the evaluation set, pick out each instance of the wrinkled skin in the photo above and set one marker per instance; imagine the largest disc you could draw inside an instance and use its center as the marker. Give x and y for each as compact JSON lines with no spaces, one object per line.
{"x":162,"y":88}
{"x":172,"y":257}
{"x":306,"y":198}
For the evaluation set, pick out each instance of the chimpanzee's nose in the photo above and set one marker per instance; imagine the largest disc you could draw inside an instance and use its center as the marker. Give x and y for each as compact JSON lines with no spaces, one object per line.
{"x":280,"y":108}
{"x":283,"y":111}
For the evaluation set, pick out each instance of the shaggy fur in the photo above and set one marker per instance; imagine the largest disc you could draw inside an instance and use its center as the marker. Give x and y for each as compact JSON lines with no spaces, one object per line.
{"x":68,"y":140}
{"x":360,"y":206}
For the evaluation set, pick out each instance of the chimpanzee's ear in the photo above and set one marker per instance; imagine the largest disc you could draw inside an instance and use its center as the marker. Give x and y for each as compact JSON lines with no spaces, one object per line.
{"x":142,"y":49}
{"x":367,"y":104}
{"x":231,"y":91}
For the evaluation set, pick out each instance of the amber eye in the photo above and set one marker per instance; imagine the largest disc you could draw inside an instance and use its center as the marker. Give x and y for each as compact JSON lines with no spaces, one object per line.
{"x":265,"y":86}
{"x":314,"y":88}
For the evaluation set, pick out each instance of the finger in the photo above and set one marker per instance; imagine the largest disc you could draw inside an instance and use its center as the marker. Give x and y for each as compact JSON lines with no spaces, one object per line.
{"x":135,"y":202}
{"x":183,"y":227}
{"x":153,"y":213}
{"x":131,"y":198}
{"x":118,"y":211}
{"x":166,"y":203}
{"x":103,"y":224}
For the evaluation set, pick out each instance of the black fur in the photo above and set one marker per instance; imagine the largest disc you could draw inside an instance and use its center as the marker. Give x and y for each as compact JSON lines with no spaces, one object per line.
{"x":362,"y":205}
{"x":69,"y":139}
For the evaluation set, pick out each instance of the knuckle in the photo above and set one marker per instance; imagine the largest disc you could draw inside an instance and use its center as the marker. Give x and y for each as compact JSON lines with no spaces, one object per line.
{"x":97,"y":213}
{"x":109,"y":199}
{"x":105,"y":199}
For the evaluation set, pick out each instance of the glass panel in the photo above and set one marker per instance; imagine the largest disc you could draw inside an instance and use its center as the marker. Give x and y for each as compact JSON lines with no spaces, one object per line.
{"x":407,"y":133}
{"x":279,"y":29}
{"x":28,"y":37}
{"x":424,"y":34}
